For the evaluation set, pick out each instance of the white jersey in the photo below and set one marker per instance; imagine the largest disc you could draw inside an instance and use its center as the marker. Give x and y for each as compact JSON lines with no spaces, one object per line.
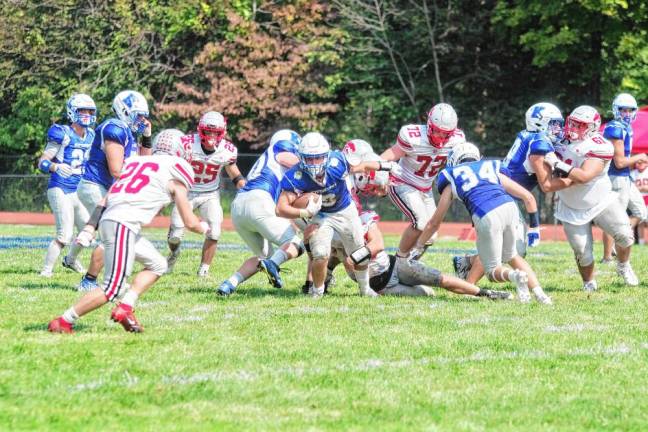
{"x":422,"y":161}
{"x":143,"y":189}
{"x":580,"y":203}
{"x":207,"y":166}
{"x":641,"y":180}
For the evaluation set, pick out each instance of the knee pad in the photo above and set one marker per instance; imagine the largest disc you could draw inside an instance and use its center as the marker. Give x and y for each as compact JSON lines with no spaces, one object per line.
{"x":158,"y":266}
{"x":420,"y":225}
{"x":214,"y":233}
{"x":320,"y":252}
{"x":584,"y":258}
{"x":624,"y":238}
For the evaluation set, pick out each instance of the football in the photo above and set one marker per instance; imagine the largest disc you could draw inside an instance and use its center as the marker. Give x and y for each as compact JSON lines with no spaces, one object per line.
{"x":302,"y":200}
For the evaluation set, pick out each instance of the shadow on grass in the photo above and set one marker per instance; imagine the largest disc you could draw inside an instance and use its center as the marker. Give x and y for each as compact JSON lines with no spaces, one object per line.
{"x":43,"y":285}
{"x":43,"y":327}
{"x":18,"y":270}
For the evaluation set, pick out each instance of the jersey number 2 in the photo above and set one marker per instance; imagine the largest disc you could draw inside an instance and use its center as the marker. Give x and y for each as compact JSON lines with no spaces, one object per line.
{"x":204,"y":173}
{"x":437,"y":162}
{"x":135,"y":177}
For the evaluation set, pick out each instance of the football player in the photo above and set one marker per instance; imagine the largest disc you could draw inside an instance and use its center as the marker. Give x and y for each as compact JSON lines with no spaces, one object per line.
{"x":485,"y":191}
{"x":389,"y":276}
{"x":422,"y":151}
{"x":64,"y":158}
{"x":145,"y":186}
{"x":525,"y":165}
{"x":585,"y":160}
{"x":115,"y":141}
{"x":619,"y":133}
{"x":211,"y":152}
{"x":324,"y":172}
{"x":253,"y":211}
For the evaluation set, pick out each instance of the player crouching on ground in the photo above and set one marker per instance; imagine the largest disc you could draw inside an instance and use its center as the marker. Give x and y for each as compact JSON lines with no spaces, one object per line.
{"x":324,"y":172}
{"x":585,"y":160}
{"x":485,"y":192}
{"x":146,"y":185}
{"x":402,"y":277}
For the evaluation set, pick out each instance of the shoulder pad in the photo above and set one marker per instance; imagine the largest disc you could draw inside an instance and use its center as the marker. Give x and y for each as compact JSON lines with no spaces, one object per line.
{"x":113,"y":131}
{"x":540,"y":145}
{"x":56,"y":134}
{"x":182,"y":171}
{"x":457,"y":137}
{"x":411,"y":135}
{"x":442,"y":180}
{"x":614,"y":130}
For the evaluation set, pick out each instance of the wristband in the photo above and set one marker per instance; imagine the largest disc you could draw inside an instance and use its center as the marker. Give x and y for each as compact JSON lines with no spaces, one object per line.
{"x":384,"y":166}
{"x":237,"y":179}
{"x":534,"y":219}
{"x":45,"y":165}
{"x":146,"y":142}
{"x":563,"y":167}
{"x":303,"y":213}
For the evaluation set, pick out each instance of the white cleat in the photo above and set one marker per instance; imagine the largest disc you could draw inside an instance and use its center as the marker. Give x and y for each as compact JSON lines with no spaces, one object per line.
{"x":520,"y":279}
{"x":628,"y":275}
{"x":316,"y":293}
{"x":541,"y":296}
{"x":74,"y":265}
{"x":172,"y":259}
{"x":203,"y":272}
{"x":590,"y":286}
{"x":46,"y":273}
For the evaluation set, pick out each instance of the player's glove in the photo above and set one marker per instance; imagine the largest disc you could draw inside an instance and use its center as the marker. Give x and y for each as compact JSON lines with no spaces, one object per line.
{"x":84,"y":238}
{"x":393,"y":167}
{"x":64,"y":170}
{"x":533,"y":237}
{"x":312,"y":208}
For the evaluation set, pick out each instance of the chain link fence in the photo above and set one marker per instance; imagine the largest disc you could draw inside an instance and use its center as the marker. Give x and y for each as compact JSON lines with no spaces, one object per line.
{"x":22,"y":189}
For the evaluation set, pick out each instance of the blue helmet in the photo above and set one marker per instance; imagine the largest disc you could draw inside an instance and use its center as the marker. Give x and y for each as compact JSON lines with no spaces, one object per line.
{"x":81,"y":101}
{"x":624,"y":102}
{"x":287,"y":137}
{"x":314,"y":152}
{"x":131,"y":107}
{"x":545,"y":118}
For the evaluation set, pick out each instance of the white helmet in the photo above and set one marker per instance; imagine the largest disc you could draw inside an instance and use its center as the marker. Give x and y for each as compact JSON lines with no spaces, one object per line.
{"x":173,"y":142}
{"x":130,"y":106}
{"x":463,"y":152}
{"x":627,"y":101}
{"x":583,"y":122}
{"x":289,"y":138}
{"x":545,"y":118}
{"x":371,"y":183}
{"x":441,"y":123}
{"x":81,"y":101}
{"x":357,"y":150}
{"x":314,"y":152}
{"x":212,"y":128}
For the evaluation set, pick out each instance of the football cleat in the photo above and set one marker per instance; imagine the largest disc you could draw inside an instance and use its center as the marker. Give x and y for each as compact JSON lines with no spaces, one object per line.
{"x":462,"y":266}
{"x":541,"y":296}
{"x":316,"y":293}
{"x":46,"y":273}
{"x":307,"y":287}
{"x":203,"y":272}
{"x":329,"y":281}
{"x":59,"y":325}
{"x":74,"y":265}
{"x":272,"y":271}
{"x":226,"y":289}
{"x":172,"y":259}
{"x":123,"y":314}
{"x":520,"y":279}
{"x":87,"y":285}
{"x":607,"y":261}
{"x":628,"y":275}
{"x":590,"y":286}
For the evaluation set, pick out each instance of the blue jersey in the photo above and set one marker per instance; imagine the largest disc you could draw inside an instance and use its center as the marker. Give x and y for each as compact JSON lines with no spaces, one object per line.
{"x":517,"y":161}
{"x":616,"y":130}
{"x":476,"y":184}
{"x":267,"y":172}
{"x":335,"y":193}
{"x":115,"y":130}
{"x":70,"y":149}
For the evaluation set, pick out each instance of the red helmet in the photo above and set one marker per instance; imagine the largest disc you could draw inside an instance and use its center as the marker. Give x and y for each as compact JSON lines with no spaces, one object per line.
{"x":441,"y":123}
{"x":582,"y":123}
{"x":212,"y":128}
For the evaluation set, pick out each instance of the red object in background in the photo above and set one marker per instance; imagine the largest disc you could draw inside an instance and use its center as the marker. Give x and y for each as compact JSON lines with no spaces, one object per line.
{"x":640,"y":129}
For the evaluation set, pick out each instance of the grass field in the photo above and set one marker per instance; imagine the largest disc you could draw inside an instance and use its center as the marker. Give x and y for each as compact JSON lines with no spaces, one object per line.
{"x":266,"y":359}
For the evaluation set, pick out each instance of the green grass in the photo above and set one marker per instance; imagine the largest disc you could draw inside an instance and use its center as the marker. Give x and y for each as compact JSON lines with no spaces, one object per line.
{"x":267,"y":359}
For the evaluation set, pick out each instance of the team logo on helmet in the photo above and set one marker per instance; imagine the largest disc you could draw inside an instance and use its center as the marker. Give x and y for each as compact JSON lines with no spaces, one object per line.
{"x":173,"y":142}
{"x":81,"y":102}
{"x":131,"y":108}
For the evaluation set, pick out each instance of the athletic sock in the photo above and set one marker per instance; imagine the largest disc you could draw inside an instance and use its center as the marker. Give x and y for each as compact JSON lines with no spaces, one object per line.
{"x":130,"y":298}
{"x":70,"y":316}
{"x":53,"y":252}
{"x":73,"y":253}
{"x":236,"y":279}
{"x":279,"y":257}
{"x":362,"y":277}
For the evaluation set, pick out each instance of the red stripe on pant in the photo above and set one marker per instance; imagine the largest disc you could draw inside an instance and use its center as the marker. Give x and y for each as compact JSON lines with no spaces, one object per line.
{"x":119,"y":265}
{"x":401,"y":205}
